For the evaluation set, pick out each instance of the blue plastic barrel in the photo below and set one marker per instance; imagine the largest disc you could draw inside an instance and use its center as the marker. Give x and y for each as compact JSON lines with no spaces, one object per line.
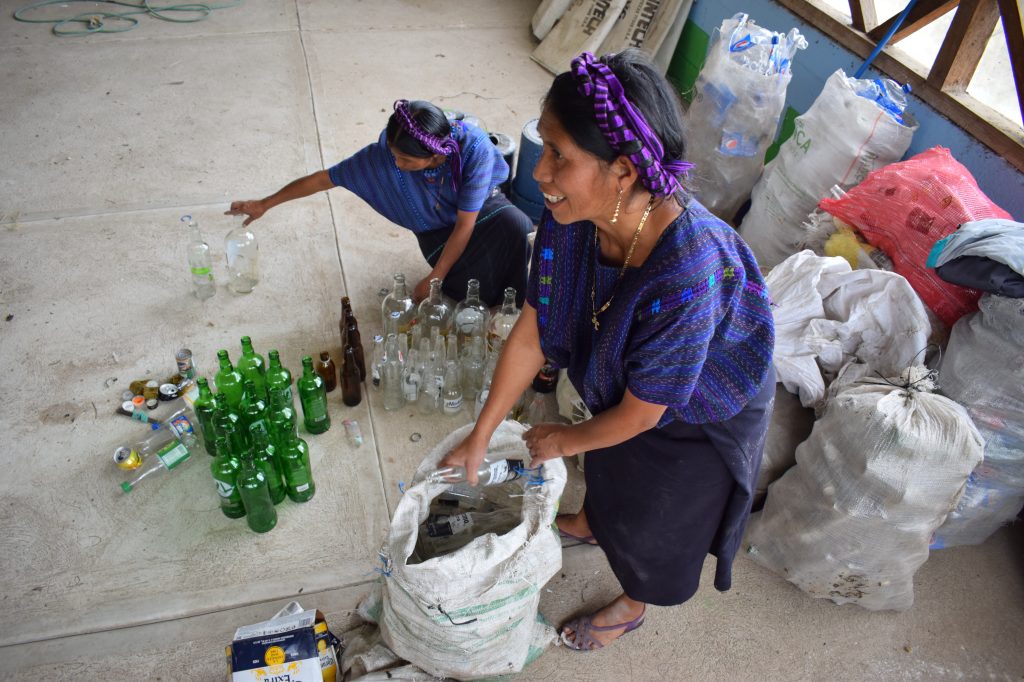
{"x":524,"y":186}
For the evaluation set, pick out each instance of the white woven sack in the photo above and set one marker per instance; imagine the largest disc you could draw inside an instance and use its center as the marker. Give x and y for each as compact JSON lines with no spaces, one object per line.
{"x":852,"y":521}
{"x":841,"y":138}
{"x":790,"y":425}
{"x":472,"y":613}
{"x":983,"y":370}
{"x":827,"y":315}
{"x":582,"y":28}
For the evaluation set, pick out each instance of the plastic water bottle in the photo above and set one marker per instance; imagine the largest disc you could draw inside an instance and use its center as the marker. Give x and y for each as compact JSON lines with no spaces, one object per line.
{"x":199,"y":261}
{"x":242,"y":254}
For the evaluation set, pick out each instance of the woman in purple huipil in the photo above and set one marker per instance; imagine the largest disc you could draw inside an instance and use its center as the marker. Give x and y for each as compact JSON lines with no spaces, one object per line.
{"x":660,"y":315}
{"x":438,"y":179}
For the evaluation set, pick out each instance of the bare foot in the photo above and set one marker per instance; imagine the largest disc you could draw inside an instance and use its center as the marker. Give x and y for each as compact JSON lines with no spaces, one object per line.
{"x":620,"y":613}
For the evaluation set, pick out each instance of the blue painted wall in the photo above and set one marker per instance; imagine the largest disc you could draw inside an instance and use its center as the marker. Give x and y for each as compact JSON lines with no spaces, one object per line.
{"x":1003,"y":183}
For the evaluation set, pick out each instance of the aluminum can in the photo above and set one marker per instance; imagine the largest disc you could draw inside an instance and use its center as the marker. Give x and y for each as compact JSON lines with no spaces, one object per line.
{"x":185,"y":366}
{"x":127,"y":458}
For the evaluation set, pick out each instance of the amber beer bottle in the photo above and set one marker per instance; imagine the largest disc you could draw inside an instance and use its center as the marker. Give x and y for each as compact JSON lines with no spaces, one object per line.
{"x":355,"y":342}
{"x":327,"y":370}
{"x":351,"y":390}
{"x":346,"y":311}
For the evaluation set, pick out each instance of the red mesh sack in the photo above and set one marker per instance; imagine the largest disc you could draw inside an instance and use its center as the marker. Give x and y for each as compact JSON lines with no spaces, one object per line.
{"x":905,"y":207}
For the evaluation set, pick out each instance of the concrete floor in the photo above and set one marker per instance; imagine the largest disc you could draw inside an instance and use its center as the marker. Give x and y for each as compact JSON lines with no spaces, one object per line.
{"x":106,"y":141}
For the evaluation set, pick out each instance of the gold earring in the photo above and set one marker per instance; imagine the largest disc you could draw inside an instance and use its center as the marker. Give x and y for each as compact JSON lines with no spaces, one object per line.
{"x":618,"y":205}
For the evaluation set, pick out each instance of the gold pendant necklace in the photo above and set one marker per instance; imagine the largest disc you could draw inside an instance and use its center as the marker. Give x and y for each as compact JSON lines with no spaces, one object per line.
{"x":594,"y":311}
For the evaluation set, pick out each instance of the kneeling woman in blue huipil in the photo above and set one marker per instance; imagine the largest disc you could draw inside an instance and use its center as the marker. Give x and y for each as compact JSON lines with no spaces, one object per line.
{"x":439,"y":179}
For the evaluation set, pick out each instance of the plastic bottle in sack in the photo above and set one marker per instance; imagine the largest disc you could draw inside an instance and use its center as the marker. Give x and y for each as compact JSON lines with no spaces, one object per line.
{"x":886,"y":93}
{"x":490,"y":472}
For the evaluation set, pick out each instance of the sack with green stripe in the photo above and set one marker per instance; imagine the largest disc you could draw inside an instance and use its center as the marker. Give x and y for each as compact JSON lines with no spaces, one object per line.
{"x":472,"y":613}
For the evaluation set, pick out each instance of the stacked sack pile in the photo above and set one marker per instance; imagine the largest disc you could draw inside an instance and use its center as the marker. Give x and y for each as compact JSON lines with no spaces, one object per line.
{"x":898,"y":289}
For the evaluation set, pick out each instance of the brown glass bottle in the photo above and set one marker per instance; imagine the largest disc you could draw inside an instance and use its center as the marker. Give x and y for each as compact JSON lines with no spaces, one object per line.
{"x":351,"y":390}
{"x":327,"y":371}
{"x":355,"y":342}
{"x":346,"y":310}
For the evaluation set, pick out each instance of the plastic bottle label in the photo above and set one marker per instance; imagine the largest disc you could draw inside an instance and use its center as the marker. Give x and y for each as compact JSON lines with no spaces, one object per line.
{"x":173,"y":454}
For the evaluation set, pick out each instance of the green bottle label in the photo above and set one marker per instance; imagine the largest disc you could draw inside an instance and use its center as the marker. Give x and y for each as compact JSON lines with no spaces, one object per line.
{"x":317,"y":410}
{"x":173,"y":454}
{"x":225,"y":489}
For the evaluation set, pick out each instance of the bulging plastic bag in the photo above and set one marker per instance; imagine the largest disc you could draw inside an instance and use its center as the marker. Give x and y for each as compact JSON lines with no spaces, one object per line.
{"x":738,"y":101}
{"x":843,"y":136}
{"x":905,"y":207}
{"x":472,"y":613}
{"x":983,"y":370}
{"x":884,"y":465}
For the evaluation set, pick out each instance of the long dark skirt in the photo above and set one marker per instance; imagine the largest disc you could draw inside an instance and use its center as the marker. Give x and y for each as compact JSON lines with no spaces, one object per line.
{"x":498,"y":253}
{"x":661,"y":501}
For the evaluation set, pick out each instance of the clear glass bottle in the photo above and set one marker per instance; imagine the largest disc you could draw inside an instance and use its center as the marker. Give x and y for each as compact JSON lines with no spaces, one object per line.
{"x":485,"y":387}
{"x":394,"y":399}
{"x":429,"y":394}
{"x":199,"y":261}
{"x":471,"y":369}
{"x":397,"y":308}
{"x":411,"y":377}
{"x":434,"y":312}
{"x":502,"y":323}
{"x":471,"y":315}
{"x":490,"y":472}
{"x":376,"y":360}
{"x":243,"y":256}
{"x":451,"y":394}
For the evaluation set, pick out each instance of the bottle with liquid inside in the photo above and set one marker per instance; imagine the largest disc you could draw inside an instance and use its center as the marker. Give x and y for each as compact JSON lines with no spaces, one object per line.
{"x":199,"y":261}
{"x":397,"y":308}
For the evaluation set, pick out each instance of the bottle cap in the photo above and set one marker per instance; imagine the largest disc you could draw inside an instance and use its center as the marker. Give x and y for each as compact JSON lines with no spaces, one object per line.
{"x":152,"y":403}
{"x":138,"y":402}
{"x":128,"y":406}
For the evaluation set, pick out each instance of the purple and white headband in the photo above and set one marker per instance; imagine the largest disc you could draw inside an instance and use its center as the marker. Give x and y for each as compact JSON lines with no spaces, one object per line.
{"x":625,"y":128}
{"x":436,"y":145}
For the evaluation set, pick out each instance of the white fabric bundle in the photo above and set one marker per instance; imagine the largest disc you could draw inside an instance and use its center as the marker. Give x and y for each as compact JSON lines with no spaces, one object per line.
{"x":852,"y":521}
{"x":828,"y":315}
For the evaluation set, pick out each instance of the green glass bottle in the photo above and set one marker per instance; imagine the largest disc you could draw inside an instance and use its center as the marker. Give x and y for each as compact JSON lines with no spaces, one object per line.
{"x":266,"y":460}
{"x":252,"y":367}
{"x":206,"y":408}
{"x":228,"y":379}
{"x":298,"y":475}
{"x":230,"y":430}
{"x":252,"y":486}
{"x":278,"y":379}
{"x":253,"y":409}
{"x":283,"y":423}
{"x":313,"y":397}
{"x":225,"y":467}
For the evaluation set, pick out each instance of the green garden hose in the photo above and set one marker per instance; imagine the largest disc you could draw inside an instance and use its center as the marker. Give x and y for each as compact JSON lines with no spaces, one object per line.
{"x":97,"y":21}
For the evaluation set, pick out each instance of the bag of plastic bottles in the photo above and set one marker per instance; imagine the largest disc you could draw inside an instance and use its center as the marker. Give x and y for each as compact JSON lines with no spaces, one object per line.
{"x":983,"y":370}
{"x":472,"y":612}
{"x":905,"y":207}
{"x":790,"y":425}
{"x":852,"y":521}
{"x":842,"y":137}
{"x":738,"y":100}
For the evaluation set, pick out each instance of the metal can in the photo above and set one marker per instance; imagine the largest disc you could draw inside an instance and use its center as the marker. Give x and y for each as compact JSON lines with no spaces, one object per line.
{"x":168,"y":392}
{"x":127,"y":458}
{"x":185,"y":366}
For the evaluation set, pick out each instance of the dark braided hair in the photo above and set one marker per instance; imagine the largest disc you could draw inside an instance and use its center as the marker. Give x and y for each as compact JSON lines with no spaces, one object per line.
{"x":647,"y":91}
{"x":429,"y":117}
